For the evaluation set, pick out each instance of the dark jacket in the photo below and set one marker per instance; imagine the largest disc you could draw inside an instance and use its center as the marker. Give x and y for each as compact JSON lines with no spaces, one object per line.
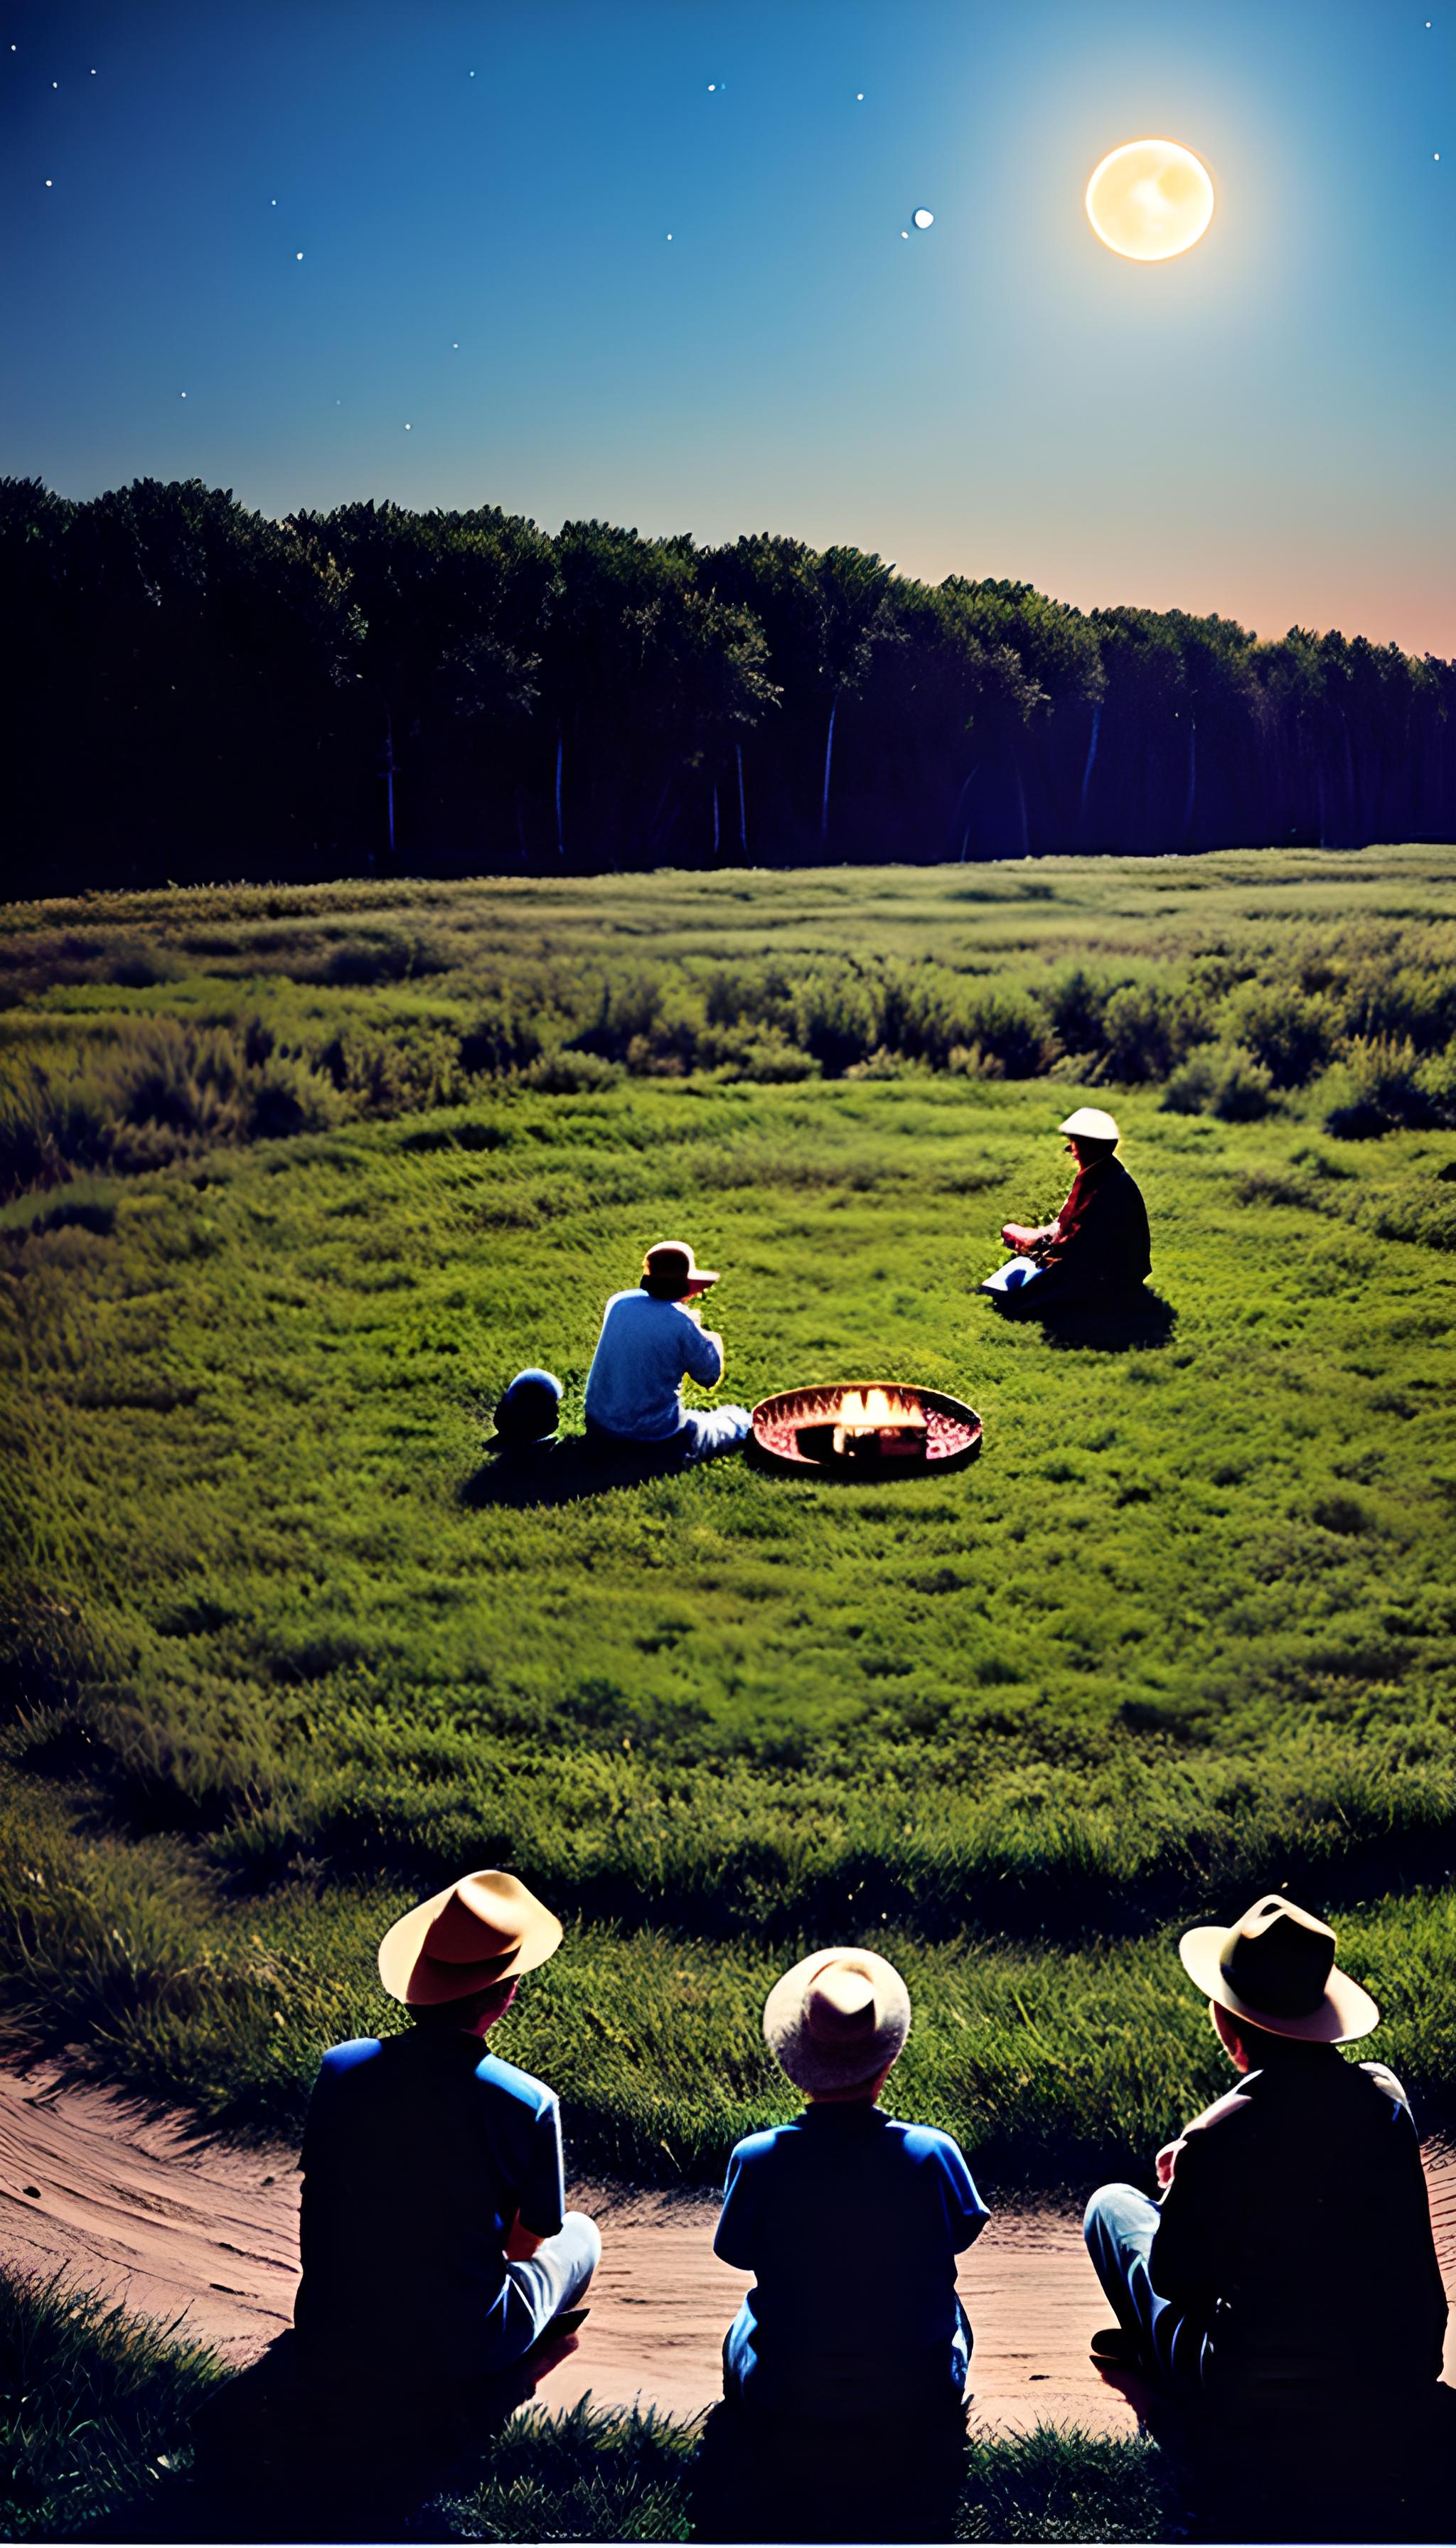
{"x":1297,"y":2230}
{"x":1102,"y":1236}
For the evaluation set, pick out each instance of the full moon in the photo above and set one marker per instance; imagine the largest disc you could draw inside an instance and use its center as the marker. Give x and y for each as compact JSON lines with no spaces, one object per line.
{"x":1149,"y":200}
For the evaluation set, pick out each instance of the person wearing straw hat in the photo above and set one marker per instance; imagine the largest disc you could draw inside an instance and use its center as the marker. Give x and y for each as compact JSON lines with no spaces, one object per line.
{"x":850,"y":2222}
{"x":1098,"y":1246}
{"x":651,"y":1339}
{"x":436,"y":2244}
{"x":1293,"y":2231}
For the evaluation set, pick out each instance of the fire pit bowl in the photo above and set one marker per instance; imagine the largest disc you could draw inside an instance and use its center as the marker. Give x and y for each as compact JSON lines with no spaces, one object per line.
{"x":881,"y":1428}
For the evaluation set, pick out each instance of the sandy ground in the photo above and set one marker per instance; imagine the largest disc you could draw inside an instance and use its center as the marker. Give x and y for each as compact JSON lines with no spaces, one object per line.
{"x":195,"y":2231}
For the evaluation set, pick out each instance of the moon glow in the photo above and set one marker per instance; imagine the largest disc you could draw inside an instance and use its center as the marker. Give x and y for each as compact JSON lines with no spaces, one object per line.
{"x":1148,"y":200}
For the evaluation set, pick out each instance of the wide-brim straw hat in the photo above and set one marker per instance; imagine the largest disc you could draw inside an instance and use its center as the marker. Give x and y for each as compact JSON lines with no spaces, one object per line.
{"x":670,"y":1266}
{"x":1091,"y":1123}
{"x":1276,"y":1967}
{"x":837,"y":2019}
{"x":488,"y":1928}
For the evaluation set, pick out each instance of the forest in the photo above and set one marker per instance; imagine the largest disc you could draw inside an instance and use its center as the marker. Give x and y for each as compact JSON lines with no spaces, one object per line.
{"x":199,"y":693}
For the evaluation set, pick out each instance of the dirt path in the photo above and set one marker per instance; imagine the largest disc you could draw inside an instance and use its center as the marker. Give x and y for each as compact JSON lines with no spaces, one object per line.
{"x":143,"y":2210}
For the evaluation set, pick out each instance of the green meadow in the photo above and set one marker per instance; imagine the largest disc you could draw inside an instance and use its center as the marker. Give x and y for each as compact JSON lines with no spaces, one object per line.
{"x":298,"y":1179}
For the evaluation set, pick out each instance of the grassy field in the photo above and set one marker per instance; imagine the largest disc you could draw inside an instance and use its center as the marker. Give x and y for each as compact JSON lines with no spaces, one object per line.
{"x":300,"y":1180}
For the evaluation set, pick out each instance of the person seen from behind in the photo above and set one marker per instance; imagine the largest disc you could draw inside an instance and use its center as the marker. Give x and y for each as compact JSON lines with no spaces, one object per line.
{"x":1097,"y":1248}
{"x":849,"y":2221}
{"x":437,"y":2248}
{"x":1292,"y":2247}
{"x":651,"y":1339}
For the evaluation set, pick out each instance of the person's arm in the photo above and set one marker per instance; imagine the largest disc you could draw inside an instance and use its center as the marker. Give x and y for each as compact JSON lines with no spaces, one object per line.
{"x":1190,"y":2247}
{"x":965,"y":2213}
{"x":702,"y":1354}
{"x":733,"y":2238}
{"x":541,"y":2193}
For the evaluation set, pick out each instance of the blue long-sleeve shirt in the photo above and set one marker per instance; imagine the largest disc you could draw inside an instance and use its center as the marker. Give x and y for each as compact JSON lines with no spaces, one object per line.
{"x":647,"y":1348}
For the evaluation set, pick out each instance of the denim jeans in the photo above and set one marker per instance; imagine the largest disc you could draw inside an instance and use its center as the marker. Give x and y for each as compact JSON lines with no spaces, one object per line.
{"x":703,"y":1435}
{"x":1120,"y":2228}
{"x":540,"y":2287}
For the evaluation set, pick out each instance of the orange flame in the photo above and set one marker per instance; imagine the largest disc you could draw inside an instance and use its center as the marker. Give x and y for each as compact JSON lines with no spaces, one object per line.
{"x":872,"y":1411}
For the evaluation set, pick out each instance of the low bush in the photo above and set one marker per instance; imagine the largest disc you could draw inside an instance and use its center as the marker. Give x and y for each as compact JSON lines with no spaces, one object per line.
{"x":1222,"y":1081}
{"x":1380,"y":1086}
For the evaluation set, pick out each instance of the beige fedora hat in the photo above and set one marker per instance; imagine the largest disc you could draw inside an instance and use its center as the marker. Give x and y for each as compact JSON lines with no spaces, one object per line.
{"x":670,"y":1267}
{"x":486,"y":1928}
{"x":837,"y":2017}
{"x":1276,"y":1966}
{"x":1091,"y":1123}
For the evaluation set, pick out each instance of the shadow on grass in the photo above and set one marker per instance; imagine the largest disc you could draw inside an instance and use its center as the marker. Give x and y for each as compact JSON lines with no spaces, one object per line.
{"x":1367,"y":2466}
{"x":565,"y":1473}
{"x":1126,"y":1325}
{"x":114,"y":2428}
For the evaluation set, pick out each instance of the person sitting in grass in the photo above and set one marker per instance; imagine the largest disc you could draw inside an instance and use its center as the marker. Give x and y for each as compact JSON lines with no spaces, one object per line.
{"x":436,"y":2251}
{"x":1098,"y":1247}
{"x":651,"y":1339}
{"x":850,"y":2222}
{"x":1292,"y":2245}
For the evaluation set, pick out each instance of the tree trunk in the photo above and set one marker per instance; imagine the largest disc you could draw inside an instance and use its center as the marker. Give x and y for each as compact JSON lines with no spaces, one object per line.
{"x":560,"y":841}
{"x":1192,"y":775}
{"x":1091,"y":758}
{"x":742,"y":807}
{"x":828,"y":765}
{"x":716,"y":822}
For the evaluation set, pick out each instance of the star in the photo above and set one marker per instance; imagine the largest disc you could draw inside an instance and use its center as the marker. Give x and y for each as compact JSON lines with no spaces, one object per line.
{"x":859,"y":97}
{"x":406,"y":428}
{"x":49,"y":181}
{"x":670,"y":238}
{"x":298,"y":260}
{"x":712,"y":84}
{"x":182,"y":393}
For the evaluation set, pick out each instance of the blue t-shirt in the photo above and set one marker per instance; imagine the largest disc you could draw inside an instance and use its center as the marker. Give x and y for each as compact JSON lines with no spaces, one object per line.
{"x":418,"y":2154}
{"x":646,"y":1349}
{"x":851,"y":2225}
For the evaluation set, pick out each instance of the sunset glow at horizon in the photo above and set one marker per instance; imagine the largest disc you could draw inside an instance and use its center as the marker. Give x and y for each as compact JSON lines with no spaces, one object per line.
{"x":1149,"y":200}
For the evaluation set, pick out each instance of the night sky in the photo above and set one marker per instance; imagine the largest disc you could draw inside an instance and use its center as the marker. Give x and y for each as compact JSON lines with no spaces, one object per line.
{"x":422,"y":251}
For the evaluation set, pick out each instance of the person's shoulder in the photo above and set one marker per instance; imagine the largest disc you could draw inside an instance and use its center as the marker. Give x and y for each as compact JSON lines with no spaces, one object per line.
{"x":925,"y":2146}
{"x":531,"y":2095}
{"x":756,"y":2148}
{"x":343,"y":2057}
{"x":1229,"y":2111}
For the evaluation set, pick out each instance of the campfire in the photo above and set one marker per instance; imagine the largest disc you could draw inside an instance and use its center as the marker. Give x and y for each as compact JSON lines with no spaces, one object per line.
{"x":884,"y":1427}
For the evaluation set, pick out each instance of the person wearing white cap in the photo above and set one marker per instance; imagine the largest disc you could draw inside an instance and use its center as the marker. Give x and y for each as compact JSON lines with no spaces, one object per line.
{"x":850,"y":2222}
{"x":1294,"y":2234}
{"x":436,"y":2244}
{"x":651,"y":1339}
{"x":1097,"y":1247}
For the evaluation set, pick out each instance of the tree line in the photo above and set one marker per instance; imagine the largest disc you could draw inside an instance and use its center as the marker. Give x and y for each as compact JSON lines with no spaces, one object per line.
{"x":199,"y":691}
